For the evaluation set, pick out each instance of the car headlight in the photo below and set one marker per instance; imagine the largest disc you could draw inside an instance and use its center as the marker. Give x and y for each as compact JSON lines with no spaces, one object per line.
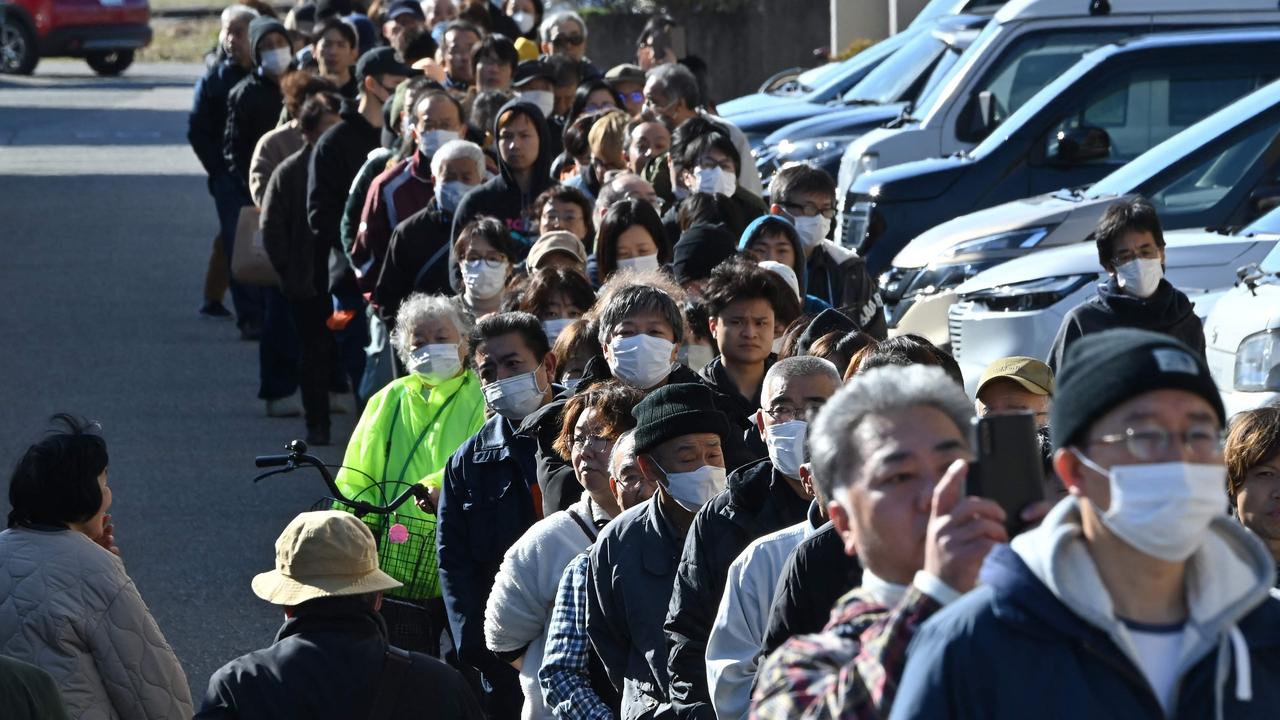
{"x":936,"y":278}
{"x":1011,"y":240}
{"x":1031,"y":295}
{"x":1258,"y":362}
{"x":868,"y":163}
{"x":816,"y":150}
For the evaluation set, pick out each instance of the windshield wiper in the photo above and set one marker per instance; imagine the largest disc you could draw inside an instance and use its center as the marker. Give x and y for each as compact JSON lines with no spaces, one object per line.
{"x":862,"y":101}
{"x":904,"y":117}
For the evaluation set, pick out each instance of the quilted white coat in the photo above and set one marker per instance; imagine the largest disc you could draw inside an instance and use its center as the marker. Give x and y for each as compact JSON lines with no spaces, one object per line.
{"x":67,"y":605}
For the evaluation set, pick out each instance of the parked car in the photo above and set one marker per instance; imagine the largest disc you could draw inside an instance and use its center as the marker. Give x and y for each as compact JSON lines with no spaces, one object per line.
{"x":1242,"y":333}
{"x":103,"y":32}
{"x":1027,"y":45}
{"x":1221,"y":173}
{"x":1016,"y":308}
{"x":884,"y":94}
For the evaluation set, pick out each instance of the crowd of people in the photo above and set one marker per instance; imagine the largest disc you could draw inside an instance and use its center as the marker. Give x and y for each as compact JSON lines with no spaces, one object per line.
{"x":665,"y":459}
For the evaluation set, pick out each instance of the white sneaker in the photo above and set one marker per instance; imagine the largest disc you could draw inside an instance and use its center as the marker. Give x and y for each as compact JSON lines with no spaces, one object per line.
{"x":341,"y":403}
{"x":284,"y":407}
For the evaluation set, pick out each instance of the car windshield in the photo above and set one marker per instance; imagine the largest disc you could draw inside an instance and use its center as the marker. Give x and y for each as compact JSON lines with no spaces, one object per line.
{"x":809,"y":79}
{"x":888,"y":82}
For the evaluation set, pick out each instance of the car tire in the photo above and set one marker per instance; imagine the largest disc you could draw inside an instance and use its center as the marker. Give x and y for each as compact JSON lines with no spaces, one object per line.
{"x":110,"y":64}
{"x":18,"y":51}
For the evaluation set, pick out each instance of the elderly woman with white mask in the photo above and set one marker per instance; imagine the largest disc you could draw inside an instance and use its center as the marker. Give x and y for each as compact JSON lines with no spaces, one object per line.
{"x":406,"y":435}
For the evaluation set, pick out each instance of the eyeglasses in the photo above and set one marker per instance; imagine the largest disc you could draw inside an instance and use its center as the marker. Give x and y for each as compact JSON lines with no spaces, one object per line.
{"x":1148,"y":252}
{"x":786,"y":413}
{"x":635,"y":96}
{"x":594,"y":108}
{"x":581,"y":441}
{"x":553,"y":217}
{"x":809,"y":209}
{"x":493,"y":261}
{"x":574,"y":40}
{"x":1149,"y":442}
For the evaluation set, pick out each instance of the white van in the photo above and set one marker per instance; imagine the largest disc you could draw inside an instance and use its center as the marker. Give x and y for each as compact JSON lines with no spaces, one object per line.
{"x":1242,"y":338}
{"x":1026,"y":45}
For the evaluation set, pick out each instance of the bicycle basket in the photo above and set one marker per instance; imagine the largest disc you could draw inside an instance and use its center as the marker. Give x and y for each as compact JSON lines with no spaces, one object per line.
{"x":406,"y":540}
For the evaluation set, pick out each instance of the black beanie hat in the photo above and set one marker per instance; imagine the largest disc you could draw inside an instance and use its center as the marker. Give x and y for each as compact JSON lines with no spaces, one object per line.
{"x":701,"y":248}
{"x":332,"y":8}
{"x":1102,"y":370}
{"x":261,"y":27}
{"x":675,"y":410}
{"x":827,"y":321}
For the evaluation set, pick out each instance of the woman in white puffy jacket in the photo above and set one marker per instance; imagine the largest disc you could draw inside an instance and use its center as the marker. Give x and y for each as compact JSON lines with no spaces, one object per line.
{"x":66,"y":603}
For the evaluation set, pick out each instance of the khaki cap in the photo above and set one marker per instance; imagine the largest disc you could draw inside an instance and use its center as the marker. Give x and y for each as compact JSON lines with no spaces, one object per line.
{"x":556,"y":241}
{"x":323,"y":554}
{"x":1034,"y":376}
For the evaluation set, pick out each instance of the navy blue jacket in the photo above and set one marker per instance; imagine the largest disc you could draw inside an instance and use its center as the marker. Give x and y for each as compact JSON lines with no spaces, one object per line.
{"x":486,"y":504}
{"x":207,"y":122}
{"x":1012,"y":649}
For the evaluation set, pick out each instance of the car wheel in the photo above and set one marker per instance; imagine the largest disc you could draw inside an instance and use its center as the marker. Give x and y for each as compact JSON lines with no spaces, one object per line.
{"x":110,"y":63}
{"x":18,"y":53}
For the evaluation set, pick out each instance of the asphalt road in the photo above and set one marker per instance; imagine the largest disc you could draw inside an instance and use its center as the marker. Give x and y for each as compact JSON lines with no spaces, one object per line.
{"x":105,"y":228}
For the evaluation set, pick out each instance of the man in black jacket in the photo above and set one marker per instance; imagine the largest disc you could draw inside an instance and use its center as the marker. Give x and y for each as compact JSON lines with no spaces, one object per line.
{"x":331,"y":658}
{"x":525,"y":161}
{"x":762,"y":497}
{"x":1131,"y":249}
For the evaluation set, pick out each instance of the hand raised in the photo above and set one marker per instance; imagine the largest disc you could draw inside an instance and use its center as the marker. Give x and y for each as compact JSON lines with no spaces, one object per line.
{"x":962,"y":530}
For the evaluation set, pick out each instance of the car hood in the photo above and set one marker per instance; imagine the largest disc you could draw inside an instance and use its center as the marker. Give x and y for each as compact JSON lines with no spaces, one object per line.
{"x":766,"y":120}
{"x":1038,"y":211}
{"x":1184,"y":249}
{"x":841,"y":121}
{"x":756,"y":102}
{"x":916,"y":180}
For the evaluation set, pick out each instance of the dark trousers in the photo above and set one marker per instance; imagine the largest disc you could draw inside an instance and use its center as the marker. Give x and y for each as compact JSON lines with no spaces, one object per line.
{"x":319,"y":358}
{"x":229,"y":198}
{"x":277,"y":348}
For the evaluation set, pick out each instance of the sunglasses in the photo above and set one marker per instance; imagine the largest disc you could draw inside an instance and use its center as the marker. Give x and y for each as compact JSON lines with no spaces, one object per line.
{"x":635,"y":96}
{"x":574,"y":40}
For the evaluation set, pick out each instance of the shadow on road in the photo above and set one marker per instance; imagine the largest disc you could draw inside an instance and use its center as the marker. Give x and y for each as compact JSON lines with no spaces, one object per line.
{"x":91,"y":126}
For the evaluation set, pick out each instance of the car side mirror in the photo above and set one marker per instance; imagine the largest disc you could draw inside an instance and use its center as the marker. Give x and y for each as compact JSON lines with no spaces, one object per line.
{"x":1083,"y":144}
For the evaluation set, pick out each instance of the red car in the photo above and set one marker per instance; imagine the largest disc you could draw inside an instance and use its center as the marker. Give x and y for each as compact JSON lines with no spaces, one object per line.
{"x":103,"y":32}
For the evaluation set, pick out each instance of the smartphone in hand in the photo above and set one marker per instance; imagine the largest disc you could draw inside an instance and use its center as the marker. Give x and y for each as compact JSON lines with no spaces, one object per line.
{"x":1009,"y":465}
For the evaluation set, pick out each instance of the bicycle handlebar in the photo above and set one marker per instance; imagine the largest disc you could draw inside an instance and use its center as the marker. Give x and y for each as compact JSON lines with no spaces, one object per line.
{"x":298,"y":457}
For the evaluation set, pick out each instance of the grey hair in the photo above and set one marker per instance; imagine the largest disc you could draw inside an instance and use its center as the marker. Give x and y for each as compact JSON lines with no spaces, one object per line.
{"x":232,"y":13}
{"x":420,"y":306}
{"x":835,"y":456}
{"x":800,"y":366}
{"x":639,"y":298}
{"x":678,"y":82}
{"x":623,"y":446}
{"x":457,"y":150}
{"x":550,"y":23}
{"x":612,"y":190}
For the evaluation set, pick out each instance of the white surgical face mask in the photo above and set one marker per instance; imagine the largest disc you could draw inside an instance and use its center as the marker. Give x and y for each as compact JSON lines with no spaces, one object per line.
{"x":435,"y":363}
{"x":640,"y":361}
{"x":715,"y":180}
{"x":786,"y":446}
{"x":524,"y":21}
{"x":641,"y":264}
{"x":1140,"y":277}
{"x":1163,"y":509}
{"x":812,"y":230}
{"x":449,"y":194}
{"x":696,"y":356}
{"x":693,"y":489}
{"x":515,"y":397}
{"x":483,"y":282}
{"x":276,"y":61}
{"x":553,"y":328}
{"x":430,"y":141}
{"x":544,"y":99}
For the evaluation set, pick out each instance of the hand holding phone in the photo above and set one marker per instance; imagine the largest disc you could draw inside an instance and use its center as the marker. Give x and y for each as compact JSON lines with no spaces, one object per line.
{"x":1009,"y":468}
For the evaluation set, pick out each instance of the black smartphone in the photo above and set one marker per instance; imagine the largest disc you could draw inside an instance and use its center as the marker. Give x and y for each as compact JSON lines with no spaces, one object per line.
{"x":1009,"y":465}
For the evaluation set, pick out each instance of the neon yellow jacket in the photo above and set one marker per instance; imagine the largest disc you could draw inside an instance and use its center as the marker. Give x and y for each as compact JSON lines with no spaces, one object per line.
{"x":406,"y":435}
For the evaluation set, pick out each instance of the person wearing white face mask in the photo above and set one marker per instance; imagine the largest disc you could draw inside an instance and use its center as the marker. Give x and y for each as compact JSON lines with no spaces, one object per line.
{"x":557,"y":296}
{"x":631,"y":238}
{"x":411,"y":427}
{"x":1134,"y":293}
{"x":760,"y":498}
{"x":417,"y":258}
{"x":633,"y":564}
{"x":1137,"y":586}
{"x":806,"y":196}
{"x":486,"y":255}
{"x":491,"y":493}
{"x":406,"y":187}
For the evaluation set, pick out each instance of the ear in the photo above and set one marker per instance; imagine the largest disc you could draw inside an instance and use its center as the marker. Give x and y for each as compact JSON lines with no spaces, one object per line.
{"x":806,"y":480}
{"x":712,"y":324}
{"x":840,"y":519}
{"x":549,"y":362}
{"x":650,"y":470}
{"x":1069,"y":470}
{"x":759,"y":418}
{"x":547,"y":48}
{"x":369,"y":83}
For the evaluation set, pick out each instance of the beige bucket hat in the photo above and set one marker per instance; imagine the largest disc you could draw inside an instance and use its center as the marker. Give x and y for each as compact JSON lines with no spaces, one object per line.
{"x":323,"y":554}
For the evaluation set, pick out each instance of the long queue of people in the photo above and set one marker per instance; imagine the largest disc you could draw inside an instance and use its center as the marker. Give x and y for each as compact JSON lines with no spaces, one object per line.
{"x":666,"y":461}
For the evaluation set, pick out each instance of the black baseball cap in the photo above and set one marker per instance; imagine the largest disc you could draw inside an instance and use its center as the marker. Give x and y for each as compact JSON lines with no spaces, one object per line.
{"x":532,"y":70}
{"x":405,"y":7}
{"x":381,"y":61}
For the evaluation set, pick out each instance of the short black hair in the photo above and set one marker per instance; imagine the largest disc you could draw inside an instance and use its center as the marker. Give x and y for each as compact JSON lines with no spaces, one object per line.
{"x":344,"y":28}
{"x":497,"y":46}
{"x":545,"y":281}
{"x":422,"y":46}
{"x":699,"y":209}
{"x":584,"y":91}
{"x":528,"y":327}
{"x":56,"y":480}
{"x":493,"y":231}
{"x":1136,"y":214}
{"x":623,"y":215}
{"x":466,"y":25}
{"x":740,"y":279}
{"x":567,"y":194}
{"x":565,"y":70}
{"x":438,"y":93}
{"x":316,"y":108}
{"x":696,"y":136}
{"x":800,"y":177}
{"x":907,"y":349}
